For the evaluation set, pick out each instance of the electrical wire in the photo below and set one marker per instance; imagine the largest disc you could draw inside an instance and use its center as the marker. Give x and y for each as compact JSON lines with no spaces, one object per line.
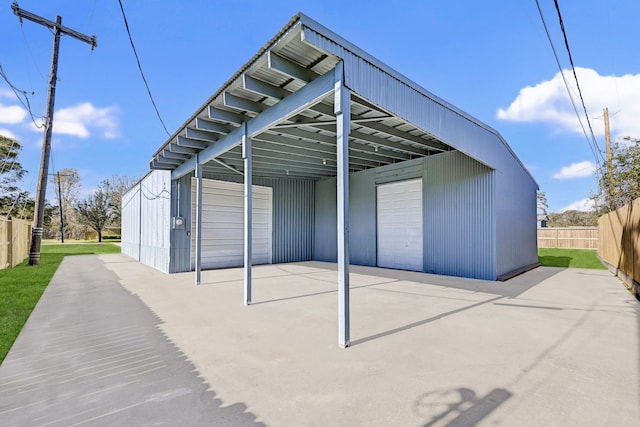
{"x":135,"y":52}
{"x":575,"y":76}
{"x":26,"y":104}
{"x":594,"y":149}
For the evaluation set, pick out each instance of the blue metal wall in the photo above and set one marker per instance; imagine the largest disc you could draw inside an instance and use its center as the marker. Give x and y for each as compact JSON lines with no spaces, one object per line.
{"x":459,"y":219}
{"x":181,"y":238}
{"x":515,"y":213}
{"x":516,"y":234}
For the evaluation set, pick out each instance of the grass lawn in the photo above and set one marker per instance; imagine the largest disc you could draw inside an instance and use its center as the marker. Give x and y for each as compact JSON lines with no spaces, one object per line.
{"x":22,"y":286}
{"x":572,"y":258}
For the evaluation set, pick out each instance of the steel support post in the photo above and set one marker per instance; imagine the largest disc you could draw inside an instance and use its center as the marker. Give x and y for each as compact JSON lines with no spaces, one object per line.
{"x":248,"y":214}
{"x":342,"y":109}
{"x":198,"y":220}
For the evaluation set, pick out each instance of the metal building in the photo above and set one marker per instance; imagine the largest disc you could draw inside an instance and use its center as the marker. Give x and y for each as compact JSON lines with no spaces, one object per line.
{"x":315,"y":150}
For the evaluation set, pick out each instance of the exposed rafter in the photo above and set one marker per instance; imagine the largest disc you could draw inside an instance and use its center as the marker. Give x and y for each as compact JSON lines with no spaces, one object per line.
{"x":284,"y":138}
{"x":289,"y":68}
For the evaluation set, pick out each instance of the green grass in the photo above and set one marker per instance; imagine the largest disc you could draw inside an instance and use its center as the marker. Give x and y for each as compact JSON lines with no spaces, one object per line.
{"x":571,"y":258}
{"x":22,"y":286}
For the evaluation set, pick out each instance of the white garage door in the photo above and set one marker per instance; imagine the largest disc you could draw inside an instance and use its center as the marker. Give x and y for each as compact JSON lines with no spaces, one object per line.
{"x":223,"y":224}
{"x":400,"y":225}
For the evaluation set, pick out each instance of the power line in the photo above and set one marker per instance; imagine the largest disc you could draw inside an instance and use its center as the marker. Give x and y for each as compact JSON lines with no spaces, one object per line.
{"x":575,"y":76}
{"x":594,"y":149}
{"x":135,"y":53}
{"x":26,"y":104}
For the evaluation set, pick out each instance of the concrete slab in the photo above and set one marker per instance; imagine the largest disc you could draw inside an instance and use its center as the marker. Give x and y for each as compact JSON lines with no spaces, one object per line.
{"x":551,"y":347}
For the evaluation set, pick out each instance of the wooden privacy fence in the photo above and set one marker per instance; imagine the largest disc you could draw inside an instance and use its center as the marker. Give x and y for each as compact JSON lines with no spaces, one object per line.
{"x":619,"y":243}
{"x":14,"y":241}
{"x":568,"y":237}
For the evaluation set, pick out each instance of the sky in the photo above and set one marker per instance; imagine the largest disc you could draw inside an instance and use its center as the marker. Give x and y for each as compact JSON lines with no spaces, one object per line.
{"x":492,"y":59}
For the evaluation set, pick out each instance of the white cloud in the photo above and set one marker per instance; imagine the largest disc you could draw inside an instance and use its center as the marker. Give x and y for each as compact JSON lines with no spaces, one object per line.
{"x":12,"y":114}
{"x":548,"y":102}
{"x":6,"y":93}
{"x":576,"y":170}
{"x":83,"y":119}
{"x":7,"y":133}
{"x":579,"y":205}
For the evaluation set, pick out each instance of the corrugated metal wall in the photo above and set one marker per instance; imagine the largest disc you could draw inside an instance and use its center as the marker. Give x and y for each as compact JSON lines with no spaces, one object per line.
{"x":146,"y":220}
{"x":516,"y":234}
{"x":181,"y":238}
{"x":459,"y":219}
{"x":131,"y":222}
{"x":293,"y":213}
{"x":514,"y":187}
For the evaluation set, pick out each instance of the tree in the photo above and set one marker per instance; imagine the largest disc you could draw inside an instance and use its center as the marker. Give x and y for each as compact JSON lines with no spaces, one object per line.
{"x":68,"y":197}
{"x":623,"y":184}
{"x":541,"y":203}
{"x":11,"y":171}
{"x":114,"y":188}
{"x":95,"y":211}
{"x":573,"y":218}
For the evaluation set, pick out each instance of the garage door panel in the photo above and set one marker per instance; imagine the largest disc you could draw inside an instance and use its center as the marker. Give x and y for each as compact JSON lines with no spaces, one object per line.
{"x":399,"y":230}
{"x":222,"y":240}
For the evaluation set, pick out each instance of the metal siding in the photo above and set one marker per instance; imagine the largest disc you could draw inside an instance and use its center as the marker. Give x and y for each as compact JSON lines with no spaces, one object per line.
{"x":362,"y":217}
{"x":325,"y":244}
{"x":514,"y":239}
{"x":517,"y":244}
{"x":293,"y":211}
{"x":146,"y":220}
{"x":362,"y":212}
{"x":131,"y":222}
{"x":459,"y":227}
{"x":293,"y":216}
{"x":155,"y":212}
{"x":404,"y":98}
{"x":181,"y":239}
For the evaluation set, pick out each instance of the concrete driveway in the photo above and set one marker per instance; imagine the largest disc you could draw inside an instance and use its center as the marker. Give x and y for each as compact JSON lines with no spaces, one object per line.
{"x":552,"y":347}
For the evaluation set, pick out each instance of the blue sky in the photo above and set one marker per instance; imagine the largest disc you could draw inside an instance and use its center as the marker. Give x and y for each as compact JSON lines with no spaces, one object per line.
{"x":491,"y":59}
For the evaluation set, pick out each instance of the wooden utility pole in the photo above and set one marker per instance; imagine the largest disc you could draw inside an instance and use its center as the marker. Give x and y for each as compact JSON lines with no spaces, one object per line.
{"x":58,"y":29}
{"x":607,"y":139}
{"x":61,"y":215}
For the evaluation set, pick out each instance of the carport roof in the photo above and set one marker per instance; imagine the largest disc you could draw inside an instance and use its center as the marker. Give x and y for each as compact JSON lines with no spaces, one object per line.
{"x":283,"y":99}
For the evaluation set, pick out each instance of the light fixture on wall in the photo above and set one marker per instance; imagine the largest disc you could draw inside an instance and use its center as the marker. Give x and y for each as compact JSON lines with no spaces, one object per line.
{"x":324,"y":161}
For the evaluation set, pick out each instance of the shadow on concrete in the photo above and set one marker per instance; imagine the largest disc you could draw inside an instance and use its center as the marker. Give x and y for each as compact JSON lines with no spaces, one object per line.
{"x":459,"y":407}
{"x":510,"y":288}
{"x":423,"y":322}
{"x":556,"y":261}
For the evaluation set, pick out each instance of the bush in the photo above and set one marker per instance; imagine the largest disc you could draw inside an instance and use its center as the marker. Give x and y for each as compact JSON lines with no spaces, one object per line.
{"x":112,"y":237}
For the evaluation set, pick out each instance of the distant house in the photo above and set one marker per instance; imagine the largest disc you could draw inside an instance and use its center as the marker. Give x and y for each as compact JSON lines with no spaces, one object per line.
{"x":542,"y":220}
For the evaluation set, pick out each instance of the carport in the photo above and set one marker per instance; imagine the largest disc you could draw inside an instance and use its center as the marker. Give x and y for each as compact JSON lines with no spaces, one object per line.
{"x":311,"y":106}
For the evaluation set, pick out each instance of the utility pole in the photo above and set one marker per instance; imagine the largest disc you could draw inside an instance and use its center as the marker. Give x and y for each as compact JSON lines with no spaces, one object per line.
{"x":58,"y":29}
{"x":607,"y":139}
{"x":60,"y":203}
